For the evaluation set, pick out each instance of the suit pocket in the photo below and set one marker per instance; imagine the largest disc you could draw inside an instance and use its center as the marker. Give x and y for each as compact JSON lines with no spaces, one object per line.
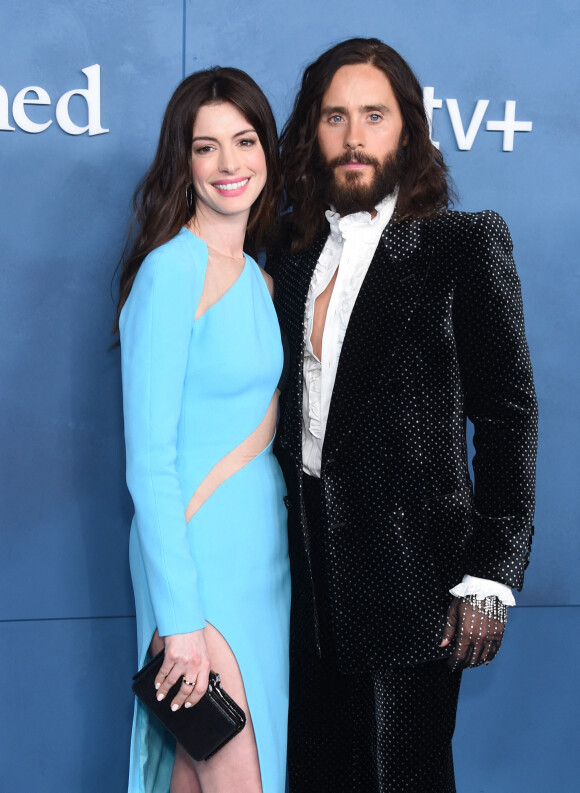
{"x":449,"y":518}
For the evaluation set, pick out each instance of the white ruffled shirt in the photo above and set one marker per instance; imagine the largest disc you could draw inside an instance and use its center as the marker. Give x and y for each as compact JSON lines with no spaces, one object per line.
{"x":349,"y":249}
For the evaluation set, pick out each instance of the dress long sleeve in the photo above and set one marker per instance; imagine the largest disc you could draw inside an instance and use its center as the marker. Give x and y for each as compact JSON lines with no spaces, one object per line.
{"x":156,"y":327}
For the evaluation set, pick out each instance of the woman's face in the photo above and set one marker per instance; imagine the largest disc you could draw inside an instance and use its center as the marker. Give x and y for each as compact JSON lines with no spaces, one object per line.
{"x":228,"y":165}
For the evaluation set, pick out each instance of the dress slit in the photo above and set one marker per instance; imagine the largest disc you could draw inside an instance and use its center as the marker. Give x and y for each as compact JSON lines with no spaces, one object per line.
{"x":228,"y":646}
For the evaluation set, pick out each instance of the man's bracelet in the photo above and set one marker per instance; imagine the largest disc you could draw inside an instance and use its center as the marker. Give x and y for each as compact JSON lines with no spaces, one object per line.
{"x":491,"y":606}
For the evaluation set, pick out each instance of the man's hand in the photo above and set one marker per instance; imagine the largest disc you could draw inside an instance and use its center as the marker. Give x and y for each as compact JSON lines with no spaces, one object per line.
{"x":476,"y":637}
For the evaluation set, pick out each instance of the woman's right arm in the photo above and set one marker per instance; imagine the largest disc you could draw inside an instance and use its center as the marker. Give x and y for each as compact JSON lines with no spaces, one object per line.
{"x":156,"y":326}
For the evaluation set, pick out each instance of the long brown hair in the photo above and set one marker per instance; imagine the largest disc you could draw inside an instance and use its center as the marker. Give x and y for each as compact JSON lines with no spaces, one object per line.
{"x":425,"y":187}
{"x":160,"y":206}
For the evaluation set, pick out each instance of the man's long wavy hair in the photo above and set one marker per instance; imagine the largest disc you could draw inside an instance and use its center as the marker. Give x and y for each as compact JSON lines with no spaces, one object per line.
{"x":424,"y":189}
{"x":160,"y":206}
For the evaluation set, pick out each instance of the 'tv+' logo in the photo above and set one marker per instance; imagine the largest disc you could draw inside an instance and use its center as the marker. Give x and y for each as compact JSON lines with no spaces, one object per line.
{"x":508,"y":125}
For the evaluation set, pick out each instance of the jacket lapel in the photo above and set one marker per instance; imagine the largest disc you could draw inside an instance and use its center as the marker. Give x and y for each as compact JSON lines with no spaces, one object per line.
{"x":381,"y":314}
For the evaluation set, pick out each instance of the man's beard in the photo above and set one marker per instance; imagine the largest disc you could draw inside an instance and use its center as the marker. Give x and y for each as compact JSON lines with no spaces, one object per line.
{"x":352,"y":194}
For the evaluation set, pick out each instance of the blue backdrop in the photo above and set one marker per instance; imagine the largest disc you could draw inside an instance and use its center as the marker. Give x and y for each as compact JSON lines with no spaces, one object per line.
{"x":83,"y":86}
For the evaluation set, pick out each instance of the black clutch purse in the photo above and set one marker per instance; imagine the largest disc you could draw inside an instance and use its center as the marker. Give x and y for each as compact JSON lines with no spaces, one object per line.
{"x":201,"y":730}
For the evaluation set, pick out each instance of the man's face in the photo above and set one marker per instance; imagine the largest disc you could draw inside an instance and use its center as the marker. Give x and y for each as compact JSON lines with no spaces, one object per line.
{"x":359,"y":136}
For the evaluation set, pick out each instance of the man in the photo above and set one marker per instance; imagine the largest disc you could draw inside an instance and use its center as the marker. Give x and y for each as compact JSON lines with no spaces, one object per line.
{"x":402,"y":319}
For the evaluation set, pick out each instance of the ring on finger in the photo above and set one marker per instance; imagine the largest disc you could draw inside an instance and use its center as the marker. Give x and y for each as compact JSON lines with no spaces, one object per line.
{"x":187,"y":683}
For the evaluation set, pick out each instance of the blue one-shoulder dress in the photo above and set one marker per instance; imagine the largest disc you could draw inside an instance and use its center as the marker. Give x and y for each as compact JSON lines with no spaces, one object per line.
{"x":193,"y":390}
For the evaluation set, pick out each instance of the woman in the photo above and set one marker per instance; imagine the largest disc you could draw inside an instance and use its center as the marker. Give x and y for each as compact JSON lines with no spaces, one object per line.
{"x":201,"y":359}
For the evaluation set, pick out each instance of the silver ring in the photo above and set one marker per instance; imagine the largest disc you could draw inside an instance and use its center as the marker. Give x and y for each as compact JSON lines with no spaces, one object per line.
{"x":187,"y":683}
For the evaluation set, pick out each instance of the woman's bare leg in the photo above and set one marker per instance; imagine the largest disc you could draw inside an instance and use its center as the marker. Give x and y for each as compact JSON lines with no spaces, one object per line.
{"x":184,"y":778}
{"x":235,"y":768}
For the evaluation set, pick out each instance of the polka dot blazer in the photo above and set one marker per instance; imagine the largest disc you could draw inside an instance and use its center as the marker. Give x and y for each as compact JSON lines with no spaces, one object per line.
{"x":436,"y":336}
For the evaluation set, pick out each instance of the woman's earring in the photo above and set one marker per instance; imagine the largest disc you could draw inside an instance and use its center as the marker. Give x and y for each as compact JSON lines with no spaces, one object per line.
{"x":190,"y":197}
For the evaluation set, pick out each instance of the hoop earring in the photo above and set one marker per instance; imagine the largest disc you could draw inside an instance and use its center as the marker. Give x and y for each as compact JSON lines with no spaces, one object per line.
{"x":190,"y":197}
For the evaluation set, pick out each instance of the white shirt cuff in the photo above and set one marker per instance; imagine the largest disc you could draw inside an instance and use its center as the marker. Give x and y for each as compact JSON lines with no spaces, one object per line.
{"x":482,"y":587}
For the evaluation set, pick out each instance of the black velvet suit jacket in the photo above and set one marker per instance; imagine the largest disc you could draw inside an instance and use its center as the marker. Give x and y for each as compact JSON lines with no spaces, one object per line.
{"x":436,"y":335}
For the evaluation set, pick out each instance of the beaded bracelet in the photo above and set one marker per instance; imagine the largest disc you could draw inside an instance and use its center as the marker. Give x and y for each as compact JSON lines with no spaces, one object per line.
{"x":491,"y":606}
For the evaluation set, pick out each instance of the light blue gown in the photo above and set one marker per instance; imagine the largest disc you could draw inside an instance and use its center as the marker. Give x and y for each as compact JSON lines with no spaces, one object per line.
{"x":192,"y":391}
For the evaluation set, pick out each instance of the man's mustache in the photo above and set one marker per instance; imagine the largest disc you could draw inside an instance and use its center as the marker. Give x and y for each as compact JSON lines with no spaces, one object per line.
{"x":354,"y":156}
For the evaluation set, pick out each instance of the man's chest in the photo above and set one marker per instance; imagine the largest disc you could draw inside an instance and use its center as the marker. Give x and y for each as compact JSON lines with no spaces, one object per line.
{"x":320,"y":313}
